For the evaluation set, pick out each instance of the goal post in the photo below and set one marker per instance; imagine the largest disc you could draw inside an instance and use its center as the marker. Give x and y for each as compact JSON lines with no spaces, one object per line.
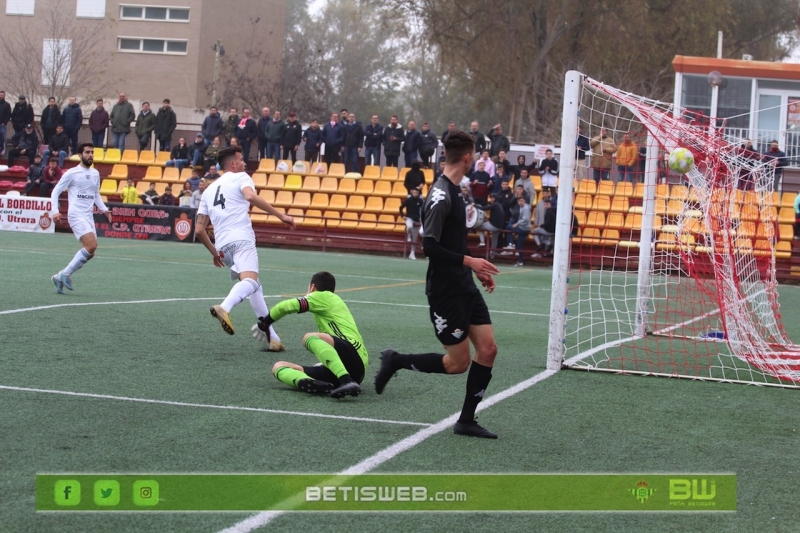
{"x":670,"y":275}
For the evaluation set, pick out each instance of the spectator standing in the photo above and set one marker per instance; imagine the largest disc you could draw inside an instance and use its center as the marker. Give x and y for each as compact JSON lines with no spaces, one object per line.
{"x":333,"y":137}
{"x":292,"y":137}
{"x":274,"y":133}
{"x":211,"y":153}
{"x":411,"y":211}
{"x":197,"y":149}
{"x":98,"y":124}
{"x":213,"y":126}
{"x":145,"y":124}
{"x":393,"y":137}
{"x":548,"y":168}
{"x":582,"y":146}
{"x":35,"y":172}
{"x":150,"y":196}
{"x":602,"y":149}
{"x":527,"y":185}
{"x":522,"y":228}
{"x":21,"y":115}
{"x":168,"y":198}
{"x":27,"y":143}
{"x":479,"y":183}
{"x":129,"y":193}
{"x":59,"y":146}
{"x":627,"y":157}
{"x":477,"y":137}
{"x":414,"y":179}
{"x":776,"y":158}
{"x":5,"y":116}
{"x":353,"y":143}
{"x":372,"y":142}
{"x":51,"y":117}
{"x":72,"y":119}
{"x":451,"y":127}
{"x":521,"y":164}
{"x":496,"y":180}
{"x":505,"y":198}
{"x":179,"y":155}
{"x":263,"y":123}
{"x":51,"y":176}
{"x":246,"y":131}
{"x":412,"y":143}
{"x":488,"y":164}
{"x":503,"y":162}
{"x":166,"y":122}
{"x":498,"y":140}
{"x":122,"y":114}
{"x":428,"y":145}
{"x":313,"y":138}
{"x":231,"y":124}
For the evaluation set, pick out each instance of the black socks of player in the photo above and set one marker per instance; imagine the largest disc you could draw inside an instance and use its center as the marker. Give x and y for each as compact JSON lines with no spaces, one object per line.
{"x":477,"y":380}
{"x":430,"y":363}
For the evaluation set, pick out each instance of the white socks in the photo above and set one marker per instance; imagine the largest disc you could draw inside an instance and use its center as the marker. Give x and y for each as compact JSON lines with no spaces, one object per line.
{"x":260,"y":308}
{"x":77,"y":262}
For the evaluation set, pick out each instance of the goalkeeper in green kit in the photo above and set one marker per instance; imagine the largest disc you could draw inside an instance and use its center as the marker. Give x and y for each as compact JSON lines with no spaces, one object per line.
{"x":338,"y":344}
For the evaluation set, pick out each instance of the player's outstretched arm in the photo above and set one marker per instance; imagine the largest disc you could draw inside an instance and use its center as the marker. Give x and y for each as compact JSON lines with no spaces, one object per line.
{"x":202,"y":235}
{"x":481,"y":267}
{"x":255,"y":200}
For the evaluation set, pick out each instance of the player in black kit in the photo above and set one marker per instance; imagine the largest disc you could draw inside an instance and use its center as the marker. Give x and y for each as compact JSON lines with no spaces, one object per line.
{"x":457,"y":309}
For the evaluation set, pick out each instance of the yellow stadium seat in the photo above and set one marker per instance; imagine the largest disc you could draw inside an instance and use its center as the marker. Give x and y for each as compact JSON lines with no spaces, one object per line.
{"x":276,"y":181}
{"x":601,"y":202}
{"x":785,"y":232}
{"x":615,"y":221}
{"x":580,"y":216}
{"x":310,"y":184}
{"x":365,"y":187}
{"x":638,"y":190}
{"x":787,"y":199}
{"x":587,"y":187}
{"x":657,"y":225}
{"x":680,"y":192}
{"x":119,"y":172}
{"x":392,"y":206}
{"x":186,"y":173}
{"x":743,"y":245}
{"x":583,"y":201}
{"x":372,"y":172}
{"x":108,"y":187}
{"x":773,"y":198}
{"x":428,"y":173}
{"x":783,"y":250}
{"x":338,"y":202}
{"x":675,"y":207}
{"x":162,"y":158}
{"x":171,"y":174}
{"x":121,"y":185}
{"x":332,"y":219}
{"x":302,"y":199}
{"x":319,"y":200}
{"x":367,"y":222}
{"x":610,"y":236}
{"x":666,"y":241}
{"x":142,"y":186}
{"x":346,"y":185}
{"x":605,"y":187}
{"x":633,"y":222}
{"x":99,"y":154}
{"x":283,"y":199}
{"x":746,"y":229}
{"x":318,"y":169}
{"x":536,"y":179}
{"x":382,"y":188}
{"x":313,"y":218}
{"x":260,"y":180}
{"x":336,"y":170}
{"x":588,"y":236}
{"x":786,"y":215}
{"x":386,"y":222}
{"x":146,"y":157}
{"x":662,"y":190}
{"x":294,"y":182}
{"x":660,"y":207}
{"x":104,"y":198}
{"x":349,"y":219}
{"x":153,"y":174}
{"x":624,"y":189}
{"x":161,"y":187}
{"x":287,"y":163}
{"x":402,"y":175}
{"x":596,"y":219}
{"x":130,"y":157}
{"x":619,"y":204}
{"x":356,"y":203}
{"x":329,"y":185}
{"x":258,"y":218}
{"x":297,"y":215}
{"x":112,"y":156}
{"x":399,"y":190}
{"x":374,"y":204}
{"x":389,"y":173}
{"x":272,"y":219}
{"x":749,"y":212}
{"x":267,"y":194}
{"x":305,"y":169}
{"x":267,"y":166}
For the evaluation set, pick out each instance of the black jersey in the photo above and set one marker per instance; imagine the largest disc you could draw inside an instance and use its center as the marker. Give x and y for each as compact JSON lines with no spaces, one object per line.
{"x":445,"y":240}
{"x":412,"y":208}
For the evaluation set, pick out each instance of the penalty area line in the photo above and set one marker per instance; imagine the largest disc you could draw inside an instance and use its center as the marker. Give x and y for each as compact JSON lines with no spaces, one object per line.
{"x":212,"y":406}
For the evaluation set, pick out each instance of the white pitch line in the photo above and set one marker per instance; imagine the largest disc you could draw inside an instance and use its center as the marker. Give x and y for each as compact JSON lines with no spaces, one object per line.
{"x":211,"y":406}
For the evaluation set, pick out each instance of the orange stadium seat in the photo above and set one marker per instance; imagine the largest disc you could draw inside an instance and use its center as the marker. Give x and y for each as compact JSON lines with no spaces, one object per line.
{"x":146,"y":157}
{"x":276,"y":181}
{"x":260,"y":180}
{"x":374,"y":204}
{"x":382,"y":188}
{"x":346,"y":185}
{"x":310,"y":183}
{"x":283,"y":199}
{"x":302,"y":199}
{"x":171,"y":174}
{"x":119,"y":172}
{"x":349,"y":220}
{"x":356,"y":203}
{"x":319,"y":200}
{"x":329,"y":185}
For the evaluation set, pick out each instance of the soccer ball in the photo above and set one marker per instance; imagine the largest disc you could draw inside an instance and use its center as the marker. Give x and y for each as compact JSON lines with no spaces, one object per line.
{"x":681,"y":160}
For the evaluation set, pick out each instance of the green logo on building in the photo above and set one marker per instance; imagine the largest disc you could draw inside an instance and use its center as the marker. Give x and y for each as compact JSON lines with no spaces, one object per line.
{"x":642,"y":491}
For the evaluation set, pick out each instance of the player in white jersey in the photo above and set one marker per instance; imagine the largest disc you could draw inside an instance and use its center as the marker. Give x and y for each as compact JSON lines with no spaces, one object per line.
{"x":83,"y":183}
{"x":225,"y":203}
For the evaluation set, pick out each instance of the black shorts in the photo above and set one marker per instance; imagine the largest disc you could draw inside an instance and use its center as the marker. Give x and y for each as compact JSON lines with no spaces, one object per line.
{"x":453,"y":315}
{"x":350,"y":359}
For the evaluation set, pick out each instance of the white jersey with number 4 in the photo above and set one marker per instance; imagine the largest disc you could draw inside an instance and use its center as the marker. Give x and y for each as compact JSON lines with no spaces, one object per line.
{"x":224,"y":203}
{"x":84,"y":191}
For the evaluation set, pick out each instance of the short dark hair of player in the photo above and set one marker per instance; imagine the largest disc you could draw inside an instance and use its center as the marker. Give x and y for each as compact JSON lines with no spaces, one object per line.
{"x":324,"y":281}
{"x":457,"y":145}
{"x":84,"y":146}
{"x":226,"y":154}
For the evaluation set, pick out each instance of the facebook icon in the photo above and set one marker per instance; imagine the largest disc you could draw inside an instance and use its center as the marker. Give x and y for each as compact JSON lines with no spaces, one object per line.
{"x":67,"y":492}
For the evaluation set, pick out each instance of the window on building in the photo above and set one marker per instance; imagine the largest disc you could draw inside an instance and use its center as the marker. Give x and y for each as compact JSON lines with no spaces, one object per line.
{"x":152,"y":46}
{"x":20,"y":7}
{"x":93,"y":9}
{"x":180,"y":14}
{"x":56,"y":62}
{"x":733,"y":103}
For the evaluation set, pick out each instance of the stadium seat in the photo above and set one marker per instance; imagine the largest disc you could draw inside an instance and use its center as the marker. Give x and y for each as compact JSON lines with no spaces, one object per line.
{"x":372,"y":172}
{"x":662,"y":190}
{"x":329,"y":185}
{"x":338,"y":202}
{"x":787,"y":199}
{"x":786,"y":215}
{"x":680,"y":192}
{"x":142,"y":186}
{"x":258,"y":217}
{"x":286,"y":163}
{"x":352,"y":175}
{"x":153,"y":174}
{"x":365,"y":187}
{"x":302,"y":199}
{"x":374,"y":204}
{"x":162,"y":158}
{"x":596,"y":219}
{"x":785,"y":232}
{"x":783,"y":250}
{"x":119,"y":172}
{"x":319,"y":200}
{"x":746,"y":229}
{"x":386,"y":222}
{"x":675,"y":207}
{"x":610,"y":236}
{"x":601,"y":202}
{"x":638,"y":190}
{"x":583,"y":201}
{"x":624,"y":189}
{"x":660,"y":206}
{"x":349,"y":219}
{"x":161,"y":187}
{"x":614,"y":221}
{"x":108,"y":187}
{"x":146,"y":157}
{"x":428,"y":173}
{"x":283,"y":199}
{"x":619,"y":204}
{"x":99,"y":154}
{"x":367,"y":222}
{"x":749,"y":212}
{"x":112,"y":156}
{"x":536,"y":179}
{"x":272,"y":219}
{"x":313,"y":218}
{"x":580,"y":216}
{"x":260,"y":180}
{"x":121,"y":184}
{"x":294,"y":182}
{"x":587,"y":187}
{"x":743,"y":245}
{"x":402,"y":175}
{"x":297,"y":214}
{"x":310,"y":184}
{"x":588,"y":236}
{"x":319,"y":169}
{"x":633,"y":222}
{"x":267,"y":166}
{"x":186,"y":173}
{"x":171,"y":174}
{"x":399,"y":190}
{"x":389,"y":173}
{"x":305,"y":169}
{"x":346,"y":185}
{"x":382,"y":188}
{"x":605,"y":187}
{"x":391,"y":206}
{"x":275,"y":181}
{"x":356,"y":203}
{"x":336,"y":170}
{"x":666,"y":241}
{"x":130,"y":157}
{"x":332,"y":219}
{"x":267,"y":194}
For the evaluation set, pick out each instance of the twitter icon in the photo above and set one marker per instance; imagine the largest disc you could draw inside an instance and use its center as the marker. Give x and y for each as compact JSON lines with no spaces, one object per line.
{"x":106,"y":492}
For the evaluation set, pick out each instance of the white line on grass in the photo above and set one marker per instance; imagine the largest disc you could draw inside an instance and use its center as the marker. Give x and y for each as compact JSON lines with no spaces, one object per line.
{"x":210,"y":406}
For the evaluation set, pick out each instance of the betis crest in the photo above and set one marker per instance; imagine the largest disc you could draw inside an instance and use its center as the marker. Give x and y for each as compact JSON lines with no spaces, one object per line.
{"x":642,"y":491}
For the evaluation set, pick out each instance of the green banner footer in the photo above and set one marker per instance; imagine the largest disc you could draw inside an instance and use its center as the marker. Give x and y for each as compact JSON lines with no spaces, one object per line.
{"x":386,"y":492}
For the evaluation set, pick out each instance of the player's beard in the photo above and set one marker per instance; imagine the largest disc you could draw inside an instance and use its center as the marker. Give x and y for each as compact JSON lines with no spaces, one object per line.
{"x":87,"y":162}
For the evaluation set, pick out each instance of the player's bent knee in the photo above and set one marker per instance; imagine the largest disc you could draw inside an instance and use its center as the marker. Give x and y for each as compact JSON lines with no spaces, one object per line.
{"x":277,"y":366}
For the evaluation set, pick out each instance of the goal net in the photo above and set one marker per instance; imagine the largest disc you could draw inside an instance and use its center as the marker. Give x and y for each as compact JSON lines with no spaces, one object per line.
{"x":669,"y":274}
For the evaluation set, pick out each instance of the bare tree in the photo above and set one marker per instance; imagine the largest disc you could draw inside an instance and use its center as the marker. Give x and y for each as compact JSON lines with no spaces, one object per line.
{"x":54,"y":54}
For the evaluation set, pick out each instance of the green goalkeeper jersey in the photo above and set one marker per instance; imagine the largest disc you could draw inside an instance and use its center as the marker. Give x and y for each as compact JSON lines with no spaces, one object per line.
{"x":330,"y":313}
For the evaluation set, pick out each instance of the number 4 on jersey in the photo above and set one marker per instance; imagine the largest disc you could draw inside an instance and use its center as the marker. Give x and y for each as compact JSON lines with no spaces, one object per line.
{"x":219,"y":199}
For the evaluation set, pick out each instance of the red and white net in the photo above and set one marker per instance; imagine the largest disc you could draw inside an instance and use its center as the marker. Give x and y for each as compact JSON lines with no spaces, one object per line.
{"x":675,"y":275}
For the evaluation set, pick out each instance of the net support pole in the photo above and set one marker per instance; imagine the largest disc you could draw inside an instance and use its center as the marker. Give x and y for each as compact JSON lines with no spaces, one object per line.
{"x":646,"y":236}
{"x":561,"y":243}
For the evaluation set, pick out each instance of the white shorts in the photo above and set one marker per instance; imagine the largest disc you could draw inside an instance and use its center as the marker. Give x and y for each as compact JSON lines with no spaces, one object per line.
{"x":81,"y":226}
{"x":239,"y":256}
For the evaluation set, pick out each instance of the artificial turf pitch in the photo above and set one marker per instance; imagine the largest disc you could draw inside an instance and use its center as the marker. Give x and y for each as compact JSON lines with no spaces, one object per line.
{"x":168,"y":348}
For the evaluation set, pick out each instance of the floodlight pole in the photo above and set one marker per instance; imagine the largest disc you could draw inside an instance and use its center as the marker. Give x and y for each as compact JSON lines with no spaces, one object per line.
{"x":217,"y":49}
